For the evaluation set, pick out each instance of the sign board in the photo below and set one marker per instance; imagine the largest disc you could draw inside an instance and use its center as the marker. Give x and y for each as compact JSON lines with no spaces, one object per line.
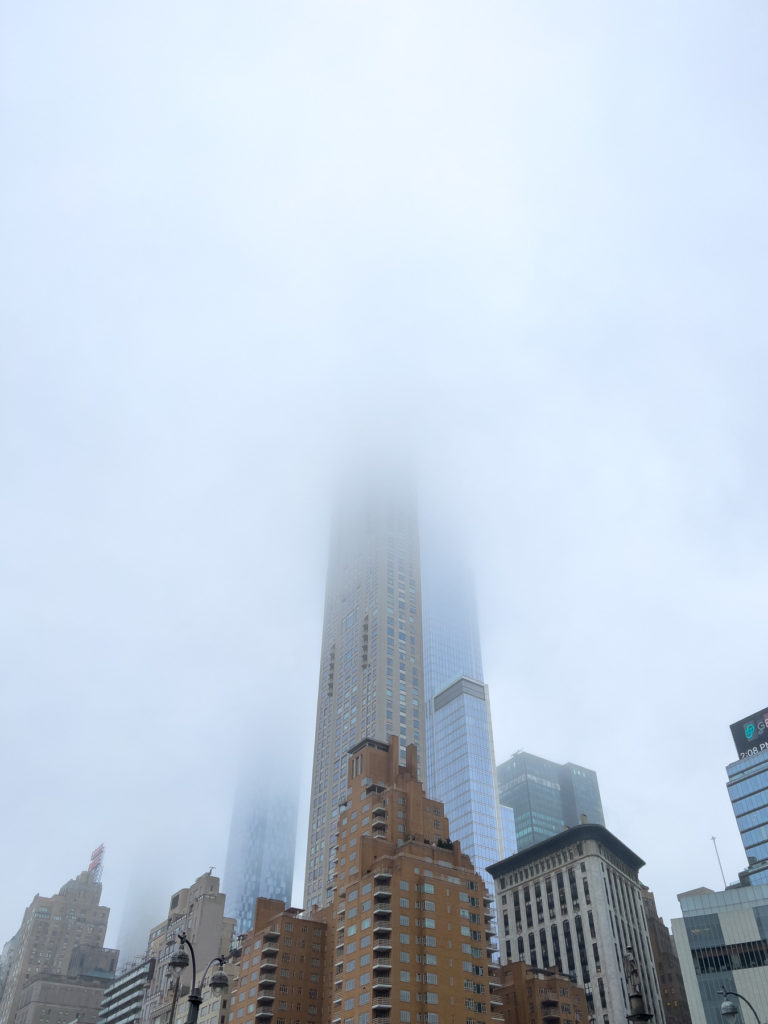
{"x":751,"y":734}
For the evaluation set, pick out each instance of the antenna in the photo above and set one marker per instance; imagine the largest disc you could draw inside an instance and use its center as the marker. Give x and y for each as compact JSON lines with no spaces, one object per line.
{"x":714,"y":843}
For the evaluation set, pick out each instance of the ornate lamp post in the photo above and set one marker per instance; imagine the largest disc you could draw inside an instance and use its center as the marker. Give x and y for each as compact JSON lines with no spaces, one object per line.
{"x":218,"y":981}
{"x":728,"y":1010}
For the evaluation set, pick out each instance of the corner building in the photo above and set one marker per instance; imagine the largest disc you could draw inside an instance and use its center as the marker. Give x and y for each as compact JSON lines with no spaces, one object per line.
{"x":574,"y":902}
{"x":371,"y":674}
{"x":409,"y":926}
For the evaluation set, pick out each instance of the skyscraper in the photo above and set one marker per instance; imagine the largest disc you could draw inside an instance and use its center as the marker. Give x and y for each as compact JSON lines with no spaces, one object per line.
{"x":459,"y":757}
{"x":386,"y":642}
{"x":547,"y":797}
{"x":56,"y":966}
{"x":748,"y":790}
{"x":371,"y":656}
{"x":262,"y":840}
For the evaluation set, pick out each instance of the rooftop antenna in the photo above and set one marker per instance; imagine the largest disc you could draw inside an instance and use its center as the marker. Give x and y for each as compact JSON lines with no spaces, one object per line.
{"x":714,"y":843}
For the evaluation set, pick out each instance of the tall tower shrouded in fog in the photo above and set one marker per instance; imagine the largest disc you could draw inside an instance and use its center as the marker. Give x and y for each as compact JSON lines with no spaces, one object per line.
{"x":262,"y":838}
{"x":371,"y":676}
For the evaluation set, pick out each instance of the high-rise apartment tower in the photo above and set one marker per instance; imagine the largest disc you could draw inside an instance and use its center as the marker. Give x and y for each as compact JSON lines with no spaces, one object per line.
{"x":371,"y":674}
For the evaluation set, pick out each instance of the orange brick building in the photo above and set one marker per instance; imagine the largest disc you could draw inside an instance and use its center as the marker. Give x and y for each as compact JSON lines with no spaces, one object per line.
{"x":407,"y":938}
{"x":534,"y":995}
{"x":409,"y":928}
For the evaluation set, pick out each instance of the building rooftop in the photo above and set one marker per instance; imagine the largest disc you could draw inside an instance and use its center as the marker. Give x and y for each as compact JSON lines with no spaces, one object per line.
{"x":577,"y":834}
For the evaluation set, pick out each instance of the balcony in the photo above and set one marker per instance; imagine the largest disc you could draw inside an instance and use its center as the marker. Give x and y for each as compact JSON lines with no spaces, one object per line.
{"x":382,"y":984}
{"x":382,"y":910}
{"x":382,"y":892}
{"x":379,"y":827}
{"x":382,"y":928}
{"x":270,"y":949}
{"x":382,"y":875}
{"x":265,"y":999}
{"x":381,"y":1004}
{"x":379,"y":811}
{"x":266,"y":983}
{"x":267,"y":967}
{"x":271,"y":933}
{"x":382,"y":964}
{"x":265,"y":1014}
{"x":382,"y":946}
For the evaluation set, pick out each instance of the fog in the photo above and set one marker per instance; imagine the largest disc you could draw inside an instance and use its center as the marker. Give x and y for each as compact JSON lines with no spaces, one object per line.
{"x":245,"y":248}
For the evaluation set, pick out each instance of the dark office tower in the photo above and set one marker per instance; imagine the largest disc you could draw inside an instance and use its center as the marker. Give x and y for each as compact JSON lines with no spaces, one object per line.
{"x":371,"y":675}
{"x":748,"y":790}
{"x":547,"y":797}
{"x":262,"y":837}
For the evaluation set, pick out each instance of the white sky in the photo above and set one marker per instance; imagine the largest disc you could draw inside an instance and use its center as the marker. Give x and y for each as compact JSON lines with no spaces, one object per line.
{"x":524,"y":245}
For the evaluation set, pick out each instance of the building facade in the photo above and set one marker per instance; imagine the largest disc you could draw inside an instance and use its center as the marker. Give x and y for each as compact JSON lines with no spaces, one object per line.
{"x":282,"y":969}
{"x":198,"y":911}
{"x":537,"y":995}
{"x":60,"y":943}
{"x":124,"y":997}
{"x":371,"y":669}
{"x":547,"y":797}
{"x":410,"y":935}
{"x":748,"y":791}
{"x":464,"y":770}
{"x":722,"y":943}
{"x":390,"y":661}
{"x":574,"y":902}
{"x":262,"y":844}
{"x":668,"y":970}
{"x":459,"y":759}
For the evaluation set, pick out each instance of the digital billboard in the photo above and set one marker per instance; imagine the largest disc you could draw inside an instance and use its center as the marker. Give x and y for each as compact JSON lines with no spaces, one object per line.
{"x":751,"y":734}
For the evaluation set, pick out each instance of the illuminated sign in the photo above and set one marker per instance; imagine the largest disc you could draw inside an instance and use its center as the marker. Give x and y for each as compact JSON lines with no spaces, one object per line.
{"x":751,"y":734}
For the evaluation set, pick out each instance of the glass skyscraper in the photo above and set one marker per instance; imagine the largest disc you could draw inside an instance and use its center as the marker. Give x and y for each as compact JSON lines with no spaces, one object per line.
{"x":460,"y":762}
{"x":262,"y":843}
{"x":547,"y":797}
{"x":748,"y":790}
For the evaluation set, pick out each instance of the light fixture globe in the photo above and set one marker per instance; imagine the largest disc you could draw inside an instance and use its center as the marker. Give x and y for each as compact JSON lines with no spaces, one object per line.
{"x":219,"y":981}
{"x":728,"y":1010}
{"x":179,"y":960}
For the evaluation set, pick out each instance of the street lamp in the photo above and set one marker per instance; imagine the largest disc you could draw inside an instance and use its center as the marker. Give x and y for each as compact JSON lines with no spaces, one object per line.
{"x":728,"y":1010}
{"x":218,"y":981}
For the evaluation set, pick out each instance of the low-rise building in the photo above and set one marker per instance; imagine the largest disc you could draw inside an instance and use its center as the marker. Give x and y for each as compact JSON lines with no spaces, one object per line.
{"x":124,"y":997}
{"x":537,"y":995}
{"x":722,"y":943}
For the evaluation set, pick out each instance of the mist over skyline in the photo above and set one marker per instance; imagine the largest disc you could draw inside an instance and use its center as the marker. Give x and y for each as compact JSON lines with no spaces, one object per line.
{"x":523,"y":250}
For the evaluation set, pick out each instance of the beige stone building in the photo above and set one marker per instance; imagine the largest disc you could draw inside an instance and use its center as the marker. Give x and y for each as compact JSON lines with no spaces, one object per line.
{"x":56,"y":966}
{"x":198,"y":911}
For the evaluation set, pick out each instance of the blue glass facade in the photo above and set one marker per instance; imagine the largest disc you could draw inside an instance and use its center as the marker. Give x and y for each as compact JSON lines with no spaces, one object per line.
{"x":748,"y":790}
{"x":459,"y":761}
{"x":262,"y":847}
{"x":464,"y":771}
